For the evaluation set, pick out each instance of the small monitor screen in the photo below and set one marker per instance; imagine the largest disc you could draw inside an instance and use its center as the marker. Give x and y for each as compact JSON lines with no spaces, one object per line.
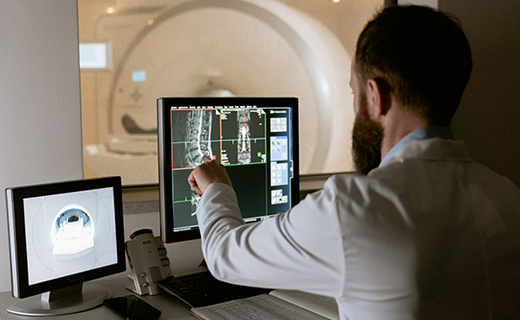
{"x":69,"y":233}
{"x":254,"y":138}
{"x":64,"y":233}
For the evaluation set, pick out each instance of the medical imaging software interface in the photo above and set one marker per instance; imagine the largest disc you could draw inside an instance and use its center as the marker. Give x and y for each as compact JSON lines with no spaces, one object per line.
{"x":69,"y":233}
{"x":255,"y":146}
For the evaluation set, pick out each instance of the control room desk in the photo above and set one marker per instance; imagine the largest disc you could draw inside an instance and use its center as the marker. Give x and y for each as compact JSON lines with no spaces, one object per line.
{"x":171,"y":307}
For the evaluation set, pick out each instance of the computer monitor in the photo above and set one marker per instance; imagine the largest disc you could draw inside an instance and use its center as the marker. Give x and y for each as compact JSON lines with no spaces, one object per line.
{"x":256,"y":139}
{"x":61,"y":235}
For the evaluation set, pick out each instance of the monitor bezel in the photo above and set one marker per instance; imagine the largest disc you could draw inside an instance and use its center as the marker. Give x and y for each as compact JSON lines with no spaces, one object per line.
{"x":17,"y":236}
{"x":164,"y":151}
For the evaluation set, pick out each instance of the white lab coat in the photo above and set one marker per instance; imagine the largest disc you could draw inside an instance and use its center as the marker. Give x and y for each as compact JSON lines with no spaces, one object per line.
{"x":430,"y":234}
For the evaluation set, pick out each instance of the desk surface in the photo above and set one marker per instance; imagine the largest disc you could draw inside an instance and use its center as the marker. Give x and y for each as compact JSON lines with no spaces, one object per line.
{"x":171,"y":307}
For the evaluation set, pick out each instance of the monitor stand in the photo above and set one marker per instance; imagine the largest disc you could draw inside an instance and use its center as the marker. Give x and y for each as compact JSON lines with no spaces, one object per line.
{"x":67,"y":300}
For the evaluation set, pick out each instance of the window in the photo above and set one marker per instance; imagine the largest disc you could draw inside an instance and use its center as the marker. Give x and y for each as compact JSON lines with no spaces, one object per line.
{"x":162,"y":48}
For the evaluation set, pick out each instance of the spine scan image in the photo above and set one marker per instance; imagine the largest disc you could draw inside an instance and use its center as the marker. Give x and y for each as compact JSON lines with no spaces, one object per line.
{"x":232,"y":137}
{"x":244,"y":141}
{"x":199,"y":140}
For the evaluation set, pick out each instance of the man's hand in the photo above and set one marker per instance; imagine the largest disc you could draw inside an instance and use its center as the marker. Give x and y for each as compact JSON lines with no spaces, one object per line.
{"x":207,"y":173}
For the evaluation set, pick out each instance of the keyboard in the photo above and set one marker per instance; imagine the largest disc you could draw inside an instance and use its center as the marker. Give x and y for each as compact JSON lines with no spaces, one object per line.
{"x":202,"y":289}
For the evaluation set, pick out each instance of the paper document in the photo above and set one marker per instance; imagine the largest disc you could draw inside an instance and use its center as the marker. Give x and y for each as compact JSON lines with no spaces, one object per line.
{"x":278,"y":304}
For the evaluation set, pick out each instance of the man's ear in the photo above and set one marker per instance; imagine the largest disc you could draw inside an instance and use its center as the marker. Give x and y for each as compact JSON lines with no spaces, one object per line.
{"x":378,"y":97}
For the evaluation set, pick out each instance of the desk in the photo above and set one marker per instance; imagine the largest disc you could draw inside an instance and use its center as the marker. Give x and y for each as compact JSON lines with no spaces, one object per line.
{"x":171,"y":307}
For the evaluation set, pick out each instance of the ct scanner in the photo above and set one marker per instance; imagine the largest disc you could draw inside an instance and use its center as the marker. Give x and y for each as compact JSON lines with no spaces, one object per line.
{"x":225,"y":47}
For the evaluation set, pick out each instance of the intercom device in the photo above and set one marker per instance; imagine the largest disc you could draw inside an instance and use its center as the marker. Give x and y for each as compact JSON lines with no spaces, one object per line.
{"x":148,"y":261}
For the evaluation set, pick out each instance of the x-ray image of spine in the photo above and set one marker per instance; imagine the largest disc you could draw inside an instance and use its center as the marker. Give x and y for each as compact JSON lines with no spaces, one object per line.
{"x":192,"y":133}
{"x":194,"y":202}
{"x":199,"y":127}
{"x":191,"y":139}
{"x":243,"y":136}
{"x":185,"y":200}
{"x":244,"y":141}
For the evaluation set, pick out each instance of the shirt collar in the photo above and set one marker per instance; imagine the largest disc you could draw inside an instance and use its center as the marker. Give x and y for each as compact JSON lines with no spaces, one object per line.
{"x":421,"y":134}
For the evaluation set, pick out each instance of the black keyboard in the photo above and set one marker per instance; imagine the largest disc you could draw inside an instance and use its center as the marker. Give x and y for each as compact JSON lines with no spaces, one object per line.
{"x":202,"y":289}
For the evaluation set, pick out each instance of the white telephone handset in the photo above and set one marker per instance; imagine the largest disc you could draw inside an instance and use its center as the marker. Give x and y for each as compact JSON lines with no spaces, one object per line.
{"x":148,"y":261}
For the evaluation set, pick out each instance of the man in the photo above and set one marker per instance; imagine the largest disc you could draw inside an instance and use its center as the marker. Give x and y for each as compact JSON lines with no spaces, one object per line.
{"x":422,"y":232}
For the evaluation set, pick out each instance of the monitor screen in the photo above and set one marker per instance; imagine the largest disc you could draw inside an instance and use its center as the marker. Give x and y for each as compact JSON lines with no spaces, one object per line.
{"x":63,"y":234}
{"x":254,"y":138}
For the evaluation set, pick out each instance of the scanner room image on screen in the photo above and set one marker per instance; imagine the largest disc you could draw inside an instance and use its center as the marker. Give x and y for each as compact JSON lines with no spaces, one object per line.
{"x":69,"y":233}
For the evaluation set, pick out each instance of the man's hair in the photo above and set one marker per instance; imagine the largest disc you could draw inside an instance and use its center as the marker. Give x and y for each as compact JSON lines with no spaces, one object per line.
{"x":421,"y":55}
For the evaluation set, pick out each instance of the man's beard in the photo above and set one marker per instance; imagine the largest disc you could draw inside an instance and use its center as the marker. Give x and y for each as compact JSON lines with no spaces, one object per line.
{"x":367,"y":136}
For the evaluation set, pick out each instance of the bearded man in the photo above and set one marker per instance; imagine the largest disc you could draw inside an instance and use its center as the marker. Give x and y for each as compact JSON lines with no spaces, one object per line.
{"x":421,"y":231}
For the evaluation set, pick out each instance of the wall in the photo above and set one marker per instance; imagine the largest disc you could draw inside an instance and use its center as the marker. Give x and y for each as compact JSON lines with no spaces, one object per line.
{"x":429,"y":3}
{"x":40,"y":122}
{"x":489,"y":115}
{"x":489,"y":112}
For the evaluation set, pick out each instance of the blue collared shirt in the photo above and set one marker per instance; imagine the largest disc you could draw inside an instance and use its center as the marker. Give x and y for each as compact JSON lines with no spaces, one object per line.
{"x":421,"y":134}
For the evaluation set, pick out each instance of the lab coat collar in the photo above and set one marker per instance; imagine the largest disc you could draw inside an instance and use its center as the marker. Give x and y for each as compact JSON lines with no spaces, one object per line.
{"x":420,"y":134}
{"x":435,"y":149}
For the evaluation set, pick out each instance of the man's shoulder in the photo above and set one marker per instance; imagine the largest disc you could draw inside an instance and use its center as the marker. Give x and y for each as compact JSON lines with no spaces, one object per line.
{"x":435,"y":149}
{"x":359,"y":186}
{"x":432,"y":162}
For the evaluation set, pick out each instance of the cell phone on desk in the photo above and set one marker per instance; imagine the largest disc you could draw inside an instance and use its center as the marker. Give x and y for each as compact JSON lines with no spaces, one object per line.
{"x":132,"y":308}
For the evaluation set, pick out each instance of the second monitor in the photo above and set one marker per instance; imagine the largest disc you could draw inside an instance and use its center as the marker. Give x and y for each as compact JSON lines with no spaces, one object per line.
{"x":256,"y":139}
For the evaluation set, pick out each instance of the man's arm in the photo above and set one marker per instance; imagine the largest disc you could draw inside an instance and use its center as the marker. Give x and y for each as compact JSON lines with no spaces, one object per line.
{"x":301,"y":249}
